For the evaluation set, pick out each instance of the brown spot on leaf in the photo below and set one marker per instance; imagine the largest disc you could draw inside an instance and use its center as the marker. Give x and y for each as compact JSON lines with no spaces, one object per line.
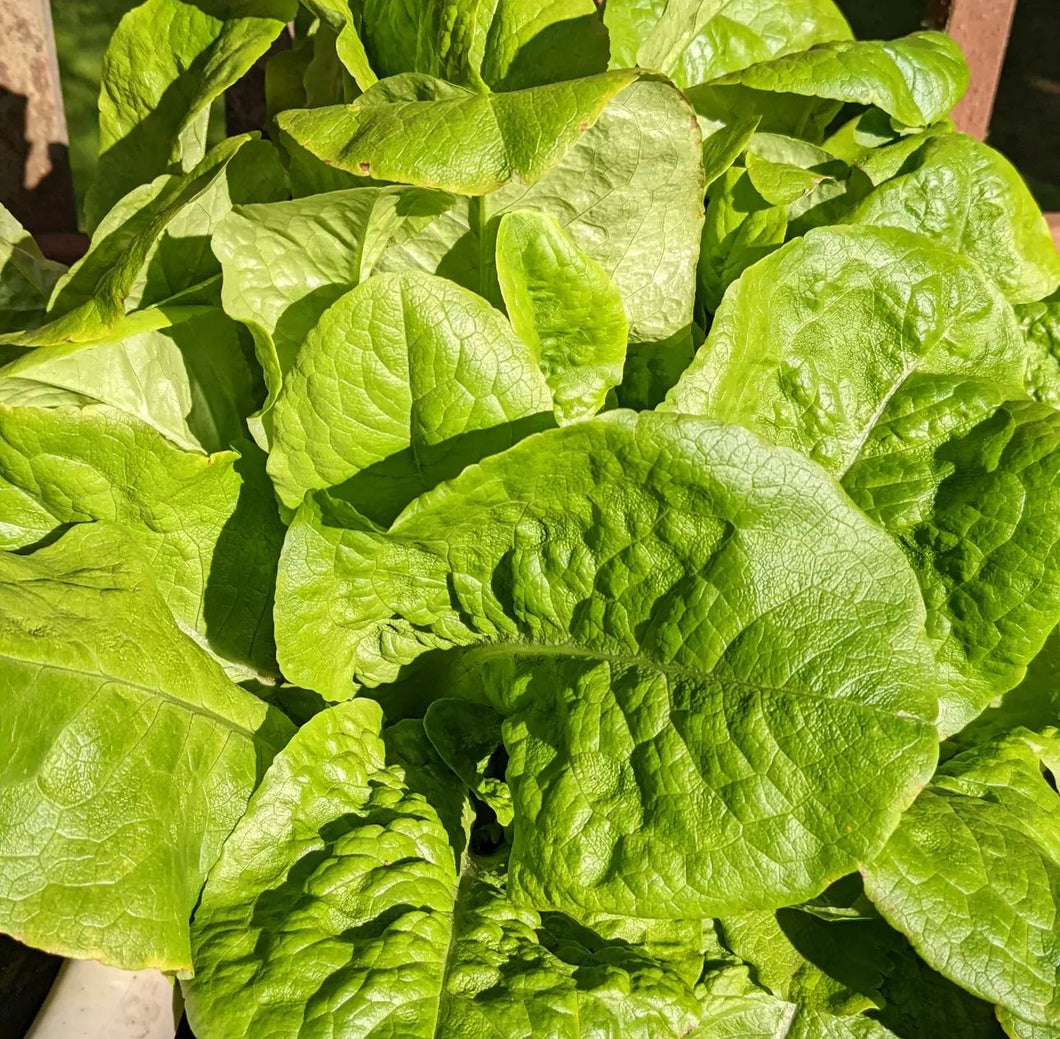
{"x":365,"y":167}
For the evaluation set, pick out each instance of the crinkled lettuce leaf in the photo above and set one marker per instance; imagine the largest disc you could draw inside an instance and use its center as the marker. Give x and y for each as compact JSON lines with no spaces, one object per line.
{"x":1040,"y":322}
{"x":208,"y":523}
{"x":346,"y":900}
{"x":915,"y":80}
{"x":565,"y":308}
{"x":694,"y":41}
{"x":676,"y":680}
{"x":958,"y":191}
{"x":972,"y":874}
{"x":610,"y":194}
{"x":892,"y":372}
{"x":154,"y":246}
{"x":188,"y":372}
{"x":834,"y":966}
{"x":737,"y":1006}
{"x":286,"y":262}
{"x":498,"y":45}
{"x":1033,"y":704}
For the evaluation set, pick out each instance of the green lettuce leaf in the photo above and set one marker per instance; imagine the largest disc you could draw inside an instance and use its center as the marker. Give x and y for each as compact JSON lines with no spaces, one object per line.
{"x":500,"y":136}
{"x":693,"y":41}
{"x":345,"y":900}
{"x":735,"y":1006}
{"x":723,"y":146}
{"x":976,"y":513}
{"x":403,"y":382}
{"x":675,"y":679}
{"x":23,"y":519}
{"x":1033,"y":704}
{"x":285,"y":263}
{"x":817,"y":370}
{"x":783,"y":183}
{"x":1041,"y":328}
{"x":785,"y":187}
{"x":208,"y":523}
{"x":972,"y":874}
{"x":921,"y":1002}
{"x":837,"y":956}
{"x":188,"y":372}
{"x":837,"y":967}
{"x":466,"y":737}
{"x":893,"y":374}
{"x":741,"y":228}
{"x":128,"y":756}
{"x":499,"y":45}
{"x":1017,"y":1028}
{"x":968,"y":196}
{"x":817,"y":188}
{"x":806,"y":969}
{"x":607,"y":193}
{"x":154,"y":246}
{"x":328,"y":79}
{"x":564,"y":306}
{"x":915,"y":80}
{"x":758,"y":1015}
{"x":166,"y":62}
{"x":880,"y":150}
{"x":158,"y":237}
{"x":26,"y":277}
{"x":786,"y":169}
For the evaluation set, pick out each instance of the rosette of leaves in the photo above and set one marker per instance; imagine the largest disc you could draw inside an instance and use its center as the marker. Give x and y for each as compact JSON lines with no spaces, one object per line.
{"x":557,"y":537}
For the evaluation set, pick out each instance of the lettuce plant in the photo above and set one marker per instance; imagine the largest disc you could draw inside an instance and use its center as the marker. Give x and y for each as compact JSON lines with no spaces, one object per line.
{"x":559,"y":538}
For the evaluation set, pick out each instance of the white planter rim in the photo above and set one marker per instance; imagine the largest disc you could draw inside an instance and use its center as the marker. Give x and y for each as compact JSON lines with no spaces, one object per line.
{"x":91,"y":1001}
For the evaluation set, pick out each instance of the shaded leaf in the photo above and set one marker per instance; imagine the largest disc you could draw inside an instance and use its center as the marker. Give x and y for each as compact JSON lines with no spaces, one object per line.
{"x":285,"y":263}
{"x":207,"y":522}
{"x":26,"y":277}
{"x":154,"y":246}
{"x":192,"y":377}
{"x":466,"y":737}
{"x":501,"y":44}
{"x":166,"y":62}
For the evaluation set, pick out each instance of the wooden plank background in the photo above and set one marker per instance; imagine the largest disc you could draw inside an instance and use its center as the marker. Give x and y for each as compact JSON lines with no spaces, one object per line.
{"x":35,"y":181}
{"x":982,"y":28}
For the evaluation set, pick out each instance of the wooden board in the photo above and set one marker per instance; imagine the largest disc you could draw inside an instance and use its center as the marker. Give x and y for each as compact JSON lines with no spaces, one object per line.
{"x":35,"y":182}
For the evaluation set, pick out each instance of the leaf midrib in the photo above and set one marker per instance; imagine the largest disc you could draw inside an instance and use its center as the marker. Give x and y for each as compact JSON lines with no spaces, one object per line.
{"x":463,"y":878}
{"x":502,"y":649}
{"x":151,"y":692}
